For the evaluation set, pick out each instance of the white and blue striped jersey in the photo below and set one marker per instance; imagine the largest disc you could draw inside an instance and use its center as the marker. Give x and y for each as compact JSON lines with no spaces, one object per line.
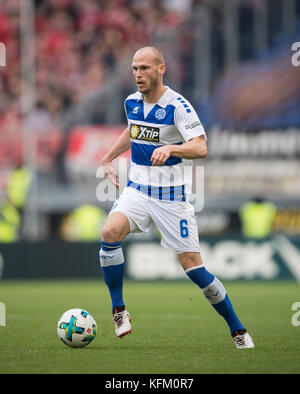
{"x":172,"y":120}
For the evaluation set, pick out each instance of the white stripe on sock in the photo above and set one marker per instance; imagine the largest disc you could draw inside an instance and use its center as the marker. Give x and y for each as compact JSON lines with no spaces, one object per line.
{"x":114,"y":257}
{"x":194,"y":268}
{"x":215,"y":292}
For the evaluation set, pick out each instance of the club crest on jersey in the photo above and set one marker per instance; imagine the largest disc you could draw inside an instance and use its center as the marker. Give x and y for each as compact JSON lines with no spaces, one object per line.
{"x":144,"y":133}
{"x":160,"y":114}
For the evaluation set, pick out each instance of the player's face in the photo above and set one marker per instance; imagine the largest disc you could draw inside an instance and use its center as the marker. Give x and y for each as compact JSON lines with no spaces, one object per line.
{"x":147,"y":73}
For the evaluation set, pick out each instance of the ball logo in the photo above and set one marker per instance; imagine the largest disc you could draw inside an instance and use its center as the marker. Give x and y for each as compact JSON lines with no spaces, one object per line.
{"x":160,"y":114}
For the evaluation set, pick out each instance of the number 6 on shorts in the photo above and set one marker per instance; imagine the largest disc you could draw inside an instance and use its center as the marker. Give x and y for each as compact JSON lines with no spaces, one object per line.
{"x":184,"y":230}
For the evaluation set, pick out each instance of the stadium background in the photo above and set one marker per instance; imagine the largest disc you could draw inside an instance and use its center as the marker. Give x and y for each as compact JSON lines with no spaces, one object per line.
{"x":62,"y":89}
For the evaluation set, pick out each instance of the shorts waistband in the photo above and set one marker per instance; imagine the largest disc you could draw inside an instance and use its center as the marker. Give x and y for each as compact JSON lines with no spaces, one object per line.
{"x":166,"y":193}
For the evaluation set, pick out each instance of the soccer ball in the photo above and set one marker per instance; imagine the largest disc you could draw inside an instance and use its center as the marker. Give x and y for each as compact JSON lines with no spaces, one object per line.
{"x":76,"y":327}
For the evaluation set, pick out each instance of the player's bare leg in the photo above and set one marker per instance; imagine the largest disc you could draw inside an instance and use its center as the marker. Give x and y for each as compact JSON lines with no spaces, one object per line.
{"x":115,"y":228}
{"x":114,"y":231}
{"x":216,"y":294}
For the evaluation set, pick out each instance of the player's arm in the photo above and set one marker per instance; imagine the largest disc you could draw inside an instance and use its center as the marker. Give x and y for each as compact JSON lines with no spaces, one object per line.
{"x":121,"y":145}
{"x":195,"y":148}
{"x":191,"y":130}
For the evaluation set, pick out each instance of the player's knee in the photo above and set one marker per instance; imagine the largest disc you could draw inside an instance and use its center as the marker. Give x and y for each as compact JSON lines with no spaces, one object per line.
{"x":190,"y":259}
{"x":109,"y":234}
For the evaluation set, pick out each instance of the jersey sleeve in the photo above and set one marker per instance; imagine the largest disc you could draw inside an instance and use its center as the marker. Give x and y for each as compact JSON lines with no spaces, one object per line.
{"x":187,"y":121}
{"x":125,"y":109}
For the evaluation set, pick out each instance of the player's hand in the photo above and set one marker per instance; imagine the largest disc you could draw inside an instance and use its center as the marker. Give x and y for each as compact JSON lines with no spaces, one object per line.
{"x":160,"y":155}
{"x":110,"y":173}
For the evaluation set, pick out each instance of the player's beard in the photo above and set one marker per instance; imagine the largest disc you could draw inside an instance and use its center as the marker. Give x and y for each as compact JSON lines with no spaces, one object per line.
{"x":151,"y":85}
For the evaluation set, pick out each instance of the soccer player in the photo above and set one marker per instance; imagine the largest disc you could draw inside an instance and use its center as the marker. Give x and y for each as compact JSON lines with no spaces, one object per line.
{"x":164,"y":134}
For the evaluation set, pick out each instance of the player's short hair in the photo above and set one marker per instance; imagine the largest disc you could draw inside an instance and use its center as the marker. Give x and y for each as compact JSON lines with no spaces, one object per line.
{"x":157,"y":54}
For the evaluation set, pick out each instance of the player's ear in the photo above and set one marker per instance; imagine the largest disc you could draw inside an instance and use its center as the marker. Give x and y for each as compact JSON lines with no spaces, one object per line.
{"x":162,"y":69}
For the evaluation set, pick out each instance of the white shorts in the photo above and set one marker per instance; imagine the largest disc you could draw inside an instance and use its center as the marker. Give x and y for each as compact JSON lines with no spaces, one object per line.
{"x":176,"y":221}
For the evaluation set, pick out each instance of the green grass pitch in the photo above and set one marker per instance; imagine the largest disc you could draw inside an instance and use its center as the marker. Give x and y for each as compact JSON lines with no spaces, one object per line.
{"x":174,"y":329}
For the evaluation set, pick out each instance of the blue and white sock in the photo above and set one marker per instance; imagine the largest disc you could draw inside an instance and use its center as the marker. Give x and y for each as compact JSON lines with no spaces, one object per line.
{"x":112,"y":265}
{"x":215,"y":293}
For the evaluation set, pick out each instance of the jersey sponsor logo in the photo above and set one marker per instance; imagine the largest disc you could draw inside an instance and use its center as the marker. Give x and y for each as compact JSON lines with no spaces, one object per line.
{"x":160,"y":114}
{"x":144,"y":133}
{"x":193,"y":125}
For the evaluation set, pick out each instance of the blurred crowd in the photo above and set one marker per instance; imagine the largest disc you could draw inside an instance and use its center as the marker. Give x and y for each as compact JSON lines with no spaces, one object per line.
{"x":78,"y":43}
